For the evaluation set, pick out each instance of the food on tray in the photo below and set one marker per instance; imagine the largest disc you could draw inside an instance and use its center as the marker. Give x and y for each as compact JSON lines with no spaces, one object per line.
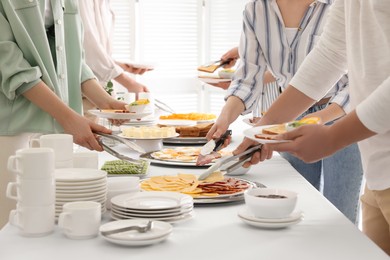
{"x":189,"y":116}
{"x":125,"y":167}
{"x":114,"y":111}
{"x":199,"y":130}
{"x":148,"y":132}
{"x":269,"y":133}
{"x":212,"y":186}
{"x":183,"y":154}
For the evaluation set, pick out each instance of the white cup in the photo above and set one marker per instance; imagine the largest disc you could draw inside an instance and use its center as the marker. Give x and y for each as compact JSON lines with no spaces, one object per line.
{"x":80,"y":219}
{"x":147,"y":95}
{"x":33,"y":221}
{"x":32,"y":163}
{"x":30,"y":192}
{"x":62,"y":144}
{"x":86,"y":160}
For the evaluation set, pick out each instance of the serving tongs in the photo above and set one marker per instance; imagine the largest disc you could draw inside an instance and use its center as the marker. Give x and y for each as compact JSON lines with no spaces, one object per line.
{"x":222,"y":164}
{"x":164,"y":107}
{"x":213,"y":66}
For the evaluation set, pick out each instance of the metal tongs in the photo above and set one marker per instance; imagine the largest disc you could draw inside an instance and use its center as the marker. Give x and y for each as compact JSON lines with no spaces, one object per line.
{"x":213,"y":66}
{"x":222,"y":164}
{"x":126,"y":142}
{"x":164,"y":107}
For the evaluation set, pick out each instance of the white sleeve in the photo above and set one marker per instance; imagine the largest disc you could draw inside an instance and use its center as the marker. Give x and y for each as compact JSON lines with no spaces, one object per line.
{"x":96,"y":56}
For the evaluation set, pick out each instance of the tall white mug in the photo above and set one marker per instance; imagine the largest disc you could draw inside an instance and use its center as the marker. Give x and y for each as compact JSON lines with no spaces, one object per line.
{"x":80,"y":219}
{"x":33,"y":221}
{"x":62,"y":144}
{"x":32,"y":163}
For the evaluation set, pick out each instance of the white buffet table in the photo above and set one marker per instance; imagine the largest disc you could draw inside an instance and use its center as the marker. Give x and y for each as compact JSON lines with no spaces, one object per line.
{"x":216,"y":232}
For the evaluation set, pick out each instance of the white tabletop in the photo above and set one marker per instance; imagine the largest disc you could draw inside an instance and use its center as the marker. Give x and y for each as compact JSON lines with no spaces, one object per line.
{"x":216,"y":232}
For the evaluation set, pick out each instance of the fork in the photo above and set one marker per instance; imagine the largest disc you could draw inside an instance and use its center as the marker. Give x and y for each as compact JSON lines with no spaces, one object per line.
{"x":140,"y":229}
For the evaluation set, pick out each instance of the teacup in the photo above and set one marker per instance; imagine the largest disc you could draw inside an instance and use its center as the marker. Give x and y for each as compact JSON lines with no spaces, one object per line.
{"x":32,"y":192}
{"x":62,"y":144}
{"x":32,"y":163}
{"x":80,"y":219}
{"x":33,"y":221}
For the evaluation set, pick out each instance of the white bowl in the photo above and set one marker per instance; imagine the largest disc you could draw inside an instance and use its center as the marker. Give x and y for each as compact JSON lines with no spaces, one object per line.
{"x":137,"y":109}
{"x":150,"y":145}
{"x":266,"y":207}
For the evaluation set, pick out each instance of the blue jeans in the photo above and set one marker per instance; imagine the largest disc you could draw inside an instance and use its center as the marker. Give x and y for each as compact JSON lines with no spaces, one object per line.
{"x":338,"y":177}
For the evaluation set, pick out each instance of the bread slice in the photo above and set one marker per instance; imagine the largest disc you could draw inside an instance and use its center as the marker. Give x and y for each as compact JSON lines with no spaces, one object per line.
{"x":275,"y":130}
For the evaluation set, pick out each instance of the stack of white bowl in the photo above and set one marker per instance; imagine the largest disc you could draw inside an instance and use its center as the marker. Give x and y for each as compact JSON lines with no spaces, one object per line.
{"x":80,"y":184}
{"x":34,"y":191}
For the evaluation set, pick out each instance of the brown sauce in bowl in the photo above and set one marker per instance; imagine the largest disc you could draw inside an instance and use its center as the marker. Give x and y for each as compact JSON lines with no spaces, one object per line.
{"x":272,"y":196}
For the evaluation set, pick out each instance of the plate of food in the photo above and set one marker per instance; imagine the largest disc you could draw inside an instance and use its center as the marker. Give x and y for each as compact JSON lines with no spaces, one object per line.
{"x":190,"y":134}
{"x":118,"y":114}
{"x":179,"y":156}
{"x":116,"y":168}
{"x":267,"y":133}
{"x":214,"y":189}
{"x":195,"y":117}
{"x":148,"y":132}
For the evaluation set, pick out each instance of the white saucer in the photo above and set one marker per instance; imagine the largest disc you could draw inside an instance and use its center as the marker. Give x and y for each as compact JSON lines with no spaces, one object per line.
{"x":119,"y":116}
{"x":160,"y":231}
{"x":247,"y":214}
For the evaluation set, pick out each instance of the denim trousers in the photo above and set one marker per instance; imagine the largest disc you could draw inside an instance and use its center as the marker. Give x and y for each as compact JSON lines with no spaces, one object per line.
{"x":338,"y":178}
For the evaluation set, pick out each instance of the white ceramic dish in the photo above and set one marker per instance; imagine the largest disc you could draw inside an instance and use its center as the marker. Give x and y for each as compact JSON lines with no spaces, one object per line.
{"x":151,"y":200}
{"x":119,"y":116}
{"x":78,"y":175}
{"x":251,"y":132}
{"x":270,"y":225}
{"x":247,"y":214}
{"x":172,"y":220}
{"x":149,"y":214}
{"x":159,"y":232}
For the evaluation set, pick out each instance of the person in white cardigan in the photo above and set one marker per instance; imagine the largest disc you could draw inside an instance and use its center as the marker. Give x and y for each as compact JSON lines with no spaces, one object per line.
{"x":356,"y":39}
{"x":98,"y":22}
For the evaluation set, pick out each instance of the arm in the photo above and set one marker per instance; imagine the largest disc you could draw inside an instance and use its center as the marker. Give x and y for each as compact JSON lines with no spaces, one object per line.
{"x":73,"y":123}
{"x":130,"y":84}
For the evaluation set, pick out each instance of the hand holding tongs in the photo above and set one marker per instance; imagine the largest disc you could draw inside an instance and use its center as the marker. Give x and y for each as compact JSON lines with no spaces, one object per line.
{"x":221,"y":162}
{"x":213,"y":66}
{"x":128,"y":143}
{"x":164,"y":107}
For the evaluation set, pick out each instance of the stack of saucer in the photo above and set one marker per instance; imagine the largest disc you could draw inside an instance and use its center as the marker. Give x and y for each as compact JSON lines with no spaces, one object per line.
{"x":80,"y":184}
{"x":170,"y":207}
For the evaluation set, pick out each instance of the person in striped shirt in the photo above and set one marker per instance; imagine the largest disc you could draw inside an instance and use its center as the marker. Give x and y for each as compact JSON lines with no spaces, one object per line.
{"x":277,"y":36}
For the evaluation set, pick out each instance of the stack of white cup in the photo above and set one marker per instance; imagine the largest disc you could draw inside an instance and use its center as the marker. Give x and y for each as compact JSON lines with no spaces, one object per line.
{"x":34,"y":191}
{"x":62,"y":144}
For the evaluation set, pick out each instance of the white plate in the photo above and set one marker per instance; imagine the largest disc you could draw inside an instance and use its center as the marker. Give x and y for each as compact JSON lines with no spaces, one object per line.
{"x":153,"y":138}
{"x":178,"y":122}
{"x":79,"y":175}
{"x":125,"y":242}
{"x":213,"y":80}
{"x":251,"y":132}
{"x":151,"y":200}
{"x":100,"y":198}
{"x":84,"y":188}
{"x":172,"y":220}
{"x":150,"y":215}
{"x":247,"y":214}
{"x":270,"y":225}
{"x":119,"y":116}
{"x":81,"y":194}
{"x":175,"y":210}
{"x":159,"y":229}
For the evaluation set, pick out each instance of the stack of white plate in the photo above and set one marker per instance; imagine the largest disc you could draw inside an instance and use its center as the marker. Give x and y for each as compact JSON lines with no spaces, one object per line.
{"x":159,"y":232}
{"x":80,"y":184}
{"x":167,"y":206}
